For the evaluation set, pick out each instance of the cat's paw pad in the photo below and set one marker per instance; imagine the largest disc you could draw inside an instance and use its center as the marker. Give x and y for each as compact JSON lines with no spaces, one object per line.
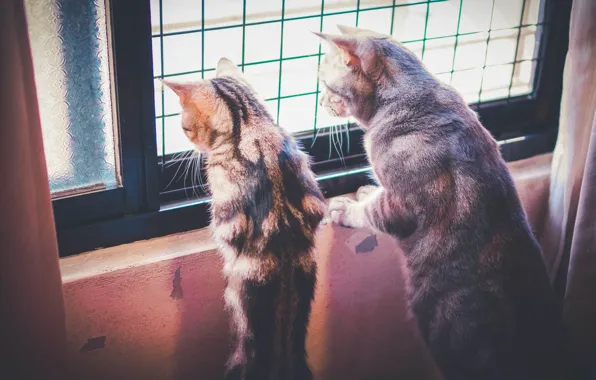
{"x":338,"y":210}
{"x":364,"y":191}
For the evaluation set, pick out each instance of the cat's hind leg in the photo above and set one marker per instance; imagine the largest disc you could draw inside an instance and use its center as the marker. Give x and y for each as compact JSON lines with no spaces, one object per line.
{"x":471,"y":336}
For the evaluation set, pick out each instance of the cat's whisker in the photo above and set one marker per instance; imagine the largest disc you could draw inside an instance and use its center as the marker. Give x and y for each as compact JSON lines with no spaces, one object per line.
{"x":191,"y":168}
{"x":192,"y":172}
{"x":186,"y":172}
{"x":176,"y":158}
{"x":315,"y":136}
{"x":194,"y":176}
{"x":180,"y":164}
{"x":335,"y":137}
{"x":330,"y":139}
{"x":347,"y":125}
{"x":177,"y":155}
{"x":340,"y":132}
{"x":199,"y":176}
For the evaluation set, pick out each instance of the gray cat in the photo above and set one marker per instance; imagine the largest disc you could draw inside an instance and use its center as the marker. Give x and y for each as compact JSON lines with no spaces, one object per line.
{"x":477,"y":286}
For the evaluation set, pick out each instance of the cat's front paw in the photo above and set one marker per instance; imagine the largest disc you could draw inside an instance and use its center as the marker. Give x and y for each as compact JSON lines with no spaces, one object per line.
{"x":339,"y":211}
{"x":365,"y":191}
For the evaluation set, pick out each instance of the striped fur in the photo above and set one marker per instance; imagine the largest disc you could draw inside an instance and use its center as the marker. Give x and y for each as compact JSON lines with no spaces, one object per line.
{"x":477,"y":284}
{"x":266,"y":207}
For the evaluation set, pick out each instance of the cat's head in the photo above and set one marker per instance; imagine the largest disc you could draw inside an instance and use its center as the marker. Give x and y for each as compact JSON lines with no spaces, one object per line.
{"x":360,"y":67}
{"x":212,"y":108}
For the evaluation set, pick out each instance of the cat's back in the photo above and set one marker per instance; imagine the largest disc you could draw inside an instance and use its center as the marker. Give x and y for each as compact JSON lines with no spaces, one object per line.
{"x":301,"y":202}
{"x":476,"y":214}
{"x":482,"y":261}
{"x":279,"y":195}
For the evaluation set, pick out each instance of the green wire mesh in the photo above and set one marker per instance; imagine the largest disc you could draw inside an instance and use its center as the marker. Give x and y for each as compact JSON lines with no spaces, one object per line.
{"x":322,"y":15}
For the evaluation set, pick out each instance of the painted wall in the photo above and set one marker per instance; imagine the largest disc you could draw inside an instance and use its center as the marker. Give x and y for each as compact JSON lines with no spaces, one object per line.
{"x":154,"y":309}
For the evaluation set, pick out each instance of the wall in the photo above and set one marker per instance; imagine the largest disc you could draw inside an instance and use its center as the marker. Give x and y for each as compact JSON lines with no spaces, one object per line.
{"x":154,"y":309}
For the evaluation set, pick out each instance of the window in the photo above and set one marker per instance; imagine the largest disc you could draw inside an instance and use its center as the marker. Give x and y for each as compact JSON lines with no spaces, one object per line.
{"x":77,"y":120}
{"x":486,"y":49}
{"x":119,"y":164}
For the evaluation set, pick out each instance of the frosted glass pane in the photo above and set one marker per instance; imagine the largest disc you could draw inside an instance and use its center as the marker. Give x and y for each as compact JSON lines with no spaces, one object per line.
{"x":69,"y":44}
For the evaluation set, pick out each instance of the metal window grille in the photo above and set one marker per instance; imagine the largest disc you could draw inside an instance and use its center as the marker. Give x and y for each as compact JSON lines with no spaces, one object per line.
{"x":487,"y":49}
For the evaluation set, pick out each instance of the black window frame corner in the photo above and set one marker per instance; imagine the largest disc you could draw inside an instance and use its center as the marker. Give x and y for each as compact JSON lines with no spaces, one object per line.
{"x":129,"y":24}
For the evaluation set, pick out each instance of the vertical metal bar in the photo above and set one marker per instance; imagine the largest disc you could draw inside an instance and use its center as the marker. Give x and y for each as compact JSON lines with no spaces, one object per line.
{"x":200,"y":168}
{"x":521,"y":22}
{"x":243,"y":33}
{"x":542,"y":29}
{"x":202,"y":39}
{"x":456,"y":41}
{"x":163,"y":100}
{"x":318,"y":64}
{"x":492,"y":13}
{"x":281,"y":55}
{"x":357,"y":12}
{"x":425,"y":29}
{"x":392,"y":18}
{"x":545,"y":20}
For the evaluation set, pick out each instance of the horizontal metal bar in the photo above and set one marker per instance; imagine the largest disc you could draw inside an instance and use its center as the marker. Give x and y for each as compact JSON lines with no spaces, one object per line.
{"x":439,"y":73}
{"x":290,"y":58}
{"x":354,"y":11}
{"x":296,"y":18}
{"x":275,"y":60}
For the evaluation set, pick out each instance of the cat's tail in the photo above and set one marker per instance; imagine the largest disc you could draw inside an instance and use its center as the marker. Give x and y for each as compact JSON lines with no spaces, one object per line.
{"x":269,"y":322}
{"x":293,"y":314}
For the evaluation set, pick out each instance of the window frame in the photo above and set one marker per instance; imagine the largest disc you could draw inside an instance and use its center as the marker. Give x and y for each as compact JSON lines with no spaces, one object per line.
{"x":136,"y":210}
{"x":131,"y":65}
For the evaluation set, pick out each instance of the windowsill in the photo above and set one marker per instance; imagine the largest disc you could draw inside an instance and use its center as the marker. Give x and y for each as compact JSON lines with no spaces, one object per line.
{"x":145,"y":252}
{"x":526,"y":173}
{"x":156,"y":305}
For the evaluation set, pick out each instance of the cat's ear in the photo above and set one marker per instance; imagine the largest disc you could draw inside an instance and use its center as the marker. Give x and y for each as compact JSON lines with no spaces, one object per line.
{"x":346,"y":46}
{"x":345,"y":29}
{"x":183,"y":90}
{"x":358,"y":52}
{"x":354,"y":30}
{"x":225,"y":67}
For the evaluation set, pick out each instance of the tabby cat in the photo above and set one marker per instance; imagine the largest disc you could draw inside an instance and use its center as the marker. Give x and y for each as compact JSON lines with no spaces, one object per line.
{"x":477,"y":284}
{"x":266,"y":207}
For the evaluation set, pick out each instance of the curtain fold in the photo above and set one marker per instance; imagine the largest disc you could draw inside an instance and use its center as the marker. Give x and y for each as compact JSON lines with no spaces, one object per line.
{"x":580,"y":298}
{"x":569,"y":234}
{"x":570,"y":153}
{"x":32,"y":320}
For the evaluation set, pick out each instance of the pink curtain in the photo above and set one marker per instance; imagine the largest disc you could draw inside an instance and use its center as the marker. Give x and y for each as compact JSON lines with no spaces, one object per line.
{"x":32,"y":326}
{"x":569,"y":236}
